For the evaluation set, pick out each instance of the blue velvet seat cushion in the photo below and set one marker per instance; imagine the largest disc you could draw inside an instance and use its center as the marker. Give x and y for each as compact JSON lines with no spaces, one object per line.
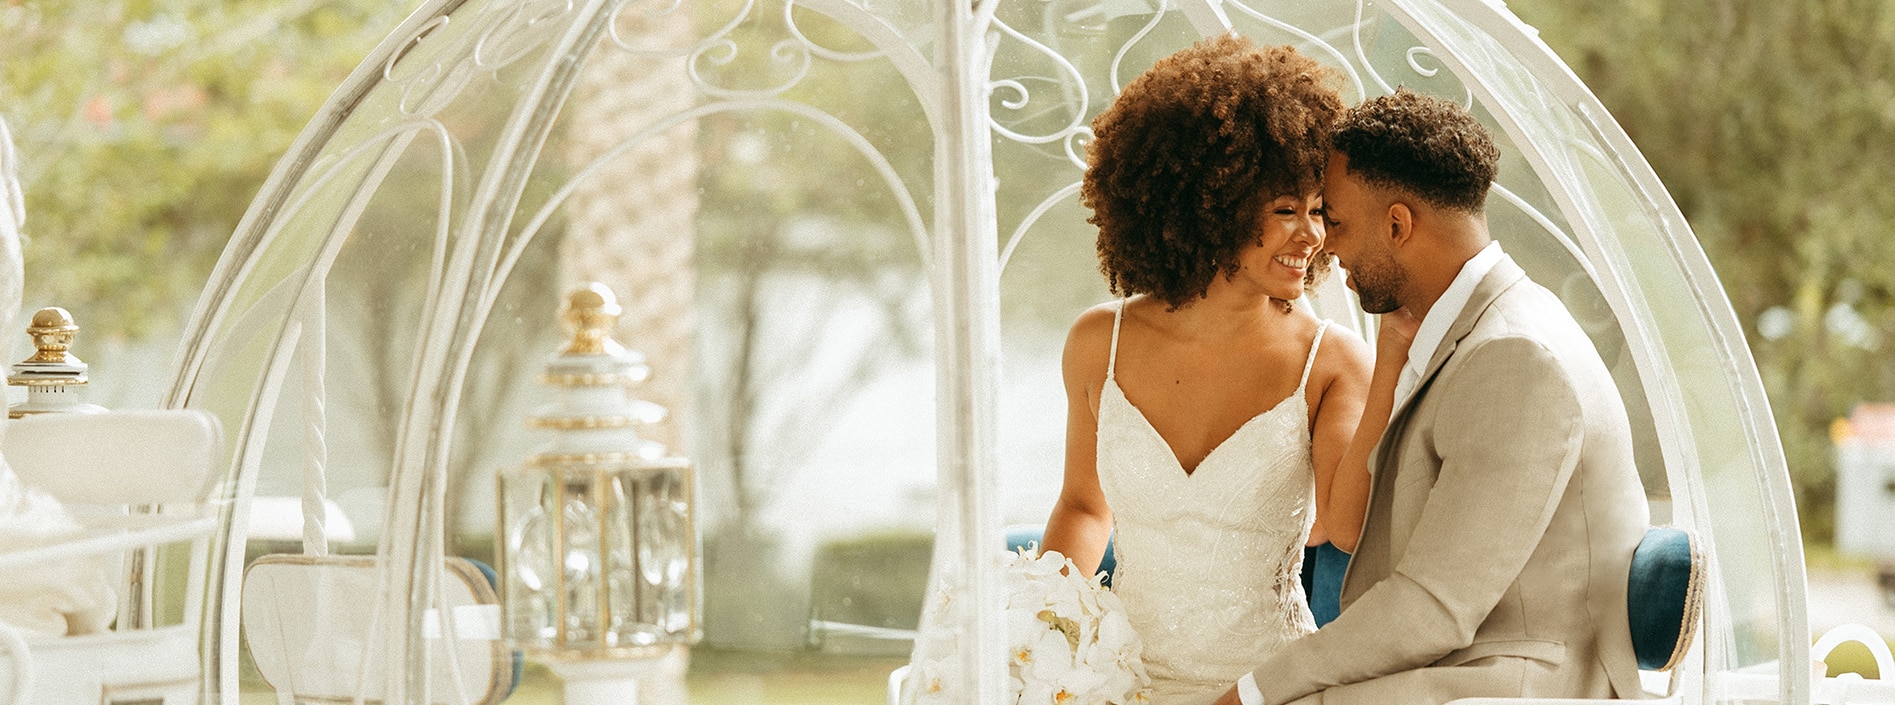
{"x":1323,"y":569}
{"x":1026,"y":536}
{"x":1663,"y":596}
{"x":519,"y":658}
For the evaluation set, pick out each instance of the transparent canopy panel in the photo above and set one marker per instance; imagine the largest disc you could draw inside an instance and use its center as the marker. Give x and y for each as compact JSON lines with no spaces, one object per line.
{"x":830,"y":221}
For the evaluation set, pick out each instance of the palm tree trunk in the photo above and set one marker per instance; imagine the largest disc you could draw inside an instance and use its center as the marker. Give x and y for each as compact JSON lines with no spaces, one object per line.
{"x":632,"y":227}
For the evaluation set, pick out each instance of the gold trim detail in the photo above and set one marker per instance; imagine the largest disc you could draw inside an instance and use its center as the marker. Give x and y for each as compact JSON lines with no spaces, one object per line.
{"x":591,"y":379}
{"x":40,"y":380}
{"x":580,"y":423}
{"x":575,"y":653}
{"x":634,"y":460}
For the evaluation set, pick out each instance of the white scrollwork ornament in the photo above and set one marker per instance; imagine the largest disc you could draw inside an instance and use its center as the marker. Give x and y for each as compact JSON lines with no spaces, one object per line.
{"x":659,"y":9}
{"x":1078,"y":100}
{"x":1118,"y":57}
{"x":1314,"y":43}
{"x":421,"y":69}
{"x":437,"y":62}
{"x":1412,"y":57}
{"x":786,"y":54}
{"x":522,"y":27}
{"x":789,"y":22}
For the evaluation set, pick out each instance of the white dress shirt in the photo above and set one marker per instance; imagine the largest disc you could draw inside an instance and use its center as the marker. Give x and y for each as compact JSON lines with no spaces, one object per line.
{"x":1434,"y":327}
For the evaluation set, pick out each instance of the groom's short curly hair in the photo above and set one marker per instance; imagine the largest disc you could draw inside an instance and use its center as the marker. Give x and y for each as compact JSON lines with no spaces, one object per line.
{"x":1184,"y":160}
{"x":1420,"y":144}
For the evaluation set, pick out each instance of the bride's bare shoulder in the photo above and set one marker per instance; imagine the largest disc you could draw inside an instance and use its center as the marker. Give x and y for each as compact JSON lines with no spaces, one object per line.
{"x":1089,"y":343}
{"x":1344,"y":355}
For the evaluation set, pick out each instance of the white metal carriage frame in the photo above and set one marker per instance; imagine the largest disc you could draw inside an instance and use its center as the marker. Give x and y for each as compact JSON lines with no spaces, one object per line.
{"x":1586,"y":191}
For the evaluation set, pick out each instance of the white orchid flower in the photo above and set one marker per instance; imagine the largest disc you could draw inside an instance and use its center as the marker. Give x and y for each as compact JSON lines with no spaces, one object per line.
{"x":1115,"y":635}
{"x":1052,"y":658}
{"x":1084,"y":685}
{"x":1023,"y":626}
{"x":1069,"y":642}
{"x":934,"y":681}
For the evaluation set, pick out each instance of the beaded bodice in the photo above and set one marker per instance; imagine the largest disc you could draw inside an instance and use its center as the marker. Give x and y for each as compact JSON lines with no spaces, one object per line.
{"x":1209,"y":562}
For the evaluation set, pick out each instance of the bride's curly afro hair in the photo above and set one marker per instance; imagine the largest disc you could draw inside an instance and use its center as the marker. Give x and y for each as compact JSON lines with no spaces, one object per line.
{"x":1184,"y":161}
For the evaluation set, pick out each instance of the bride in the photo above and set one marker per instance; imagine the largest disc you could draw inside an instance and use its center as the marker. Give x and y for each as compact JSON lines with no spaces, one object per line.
{"x":1207,"y":417}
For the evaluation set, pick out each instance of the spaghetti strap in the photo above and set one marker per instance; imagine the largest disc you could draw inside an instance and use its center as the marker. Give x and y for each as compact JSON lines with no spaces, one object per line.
{"x":1112,"y":359}
{"x":1311,"y":362}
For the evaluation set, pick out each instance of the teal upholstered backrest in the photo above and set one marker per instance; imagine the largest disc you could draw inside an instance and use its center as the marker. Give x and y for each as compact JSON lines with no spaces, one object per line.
{"x":1028,"y":536}
{"x":1664,"y":594}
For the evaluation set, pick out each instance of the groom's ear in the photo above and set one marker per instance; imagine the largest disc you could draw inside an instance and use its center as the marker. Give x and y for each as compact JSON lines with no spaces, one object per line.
{"x":1400,"y":223}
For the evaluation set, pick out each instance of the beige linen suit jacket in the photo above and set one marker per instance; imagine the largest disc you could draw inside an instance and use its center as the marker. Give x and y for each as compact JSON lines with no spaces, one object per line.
{"x":1501,"y":524}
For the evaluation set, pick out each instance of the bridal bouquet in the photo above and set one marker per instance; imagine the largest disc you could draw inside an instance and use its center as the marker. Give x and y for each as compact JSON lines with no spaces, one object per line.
{"x":1068,"y":641}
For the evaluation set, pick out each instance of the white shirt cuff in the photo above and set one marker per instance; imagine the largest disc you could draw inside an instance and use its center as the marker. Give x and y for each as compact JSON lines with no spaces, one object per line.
{"x":1247,"y":690}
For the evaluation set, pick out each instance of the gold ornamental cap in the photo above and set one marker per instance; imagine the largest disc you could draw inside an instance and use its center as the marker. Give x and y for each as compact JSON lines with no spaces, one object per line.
{"x":590,"y":317}
{"x":52,"y":331}
{"x":52,"y":369}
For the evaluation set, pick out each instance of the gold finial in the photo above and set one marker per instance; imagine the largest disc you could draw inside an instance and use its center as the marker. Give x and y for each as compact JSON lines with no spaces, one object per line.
{"x":590,"y":317}
{"x":52,"y":375}
{"x":52,"y":332}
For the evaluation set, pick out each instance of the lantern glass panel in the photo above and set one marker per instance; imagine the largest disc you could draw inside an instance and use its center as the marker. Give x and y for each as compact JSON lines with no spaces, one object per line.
{"x":599,"y":556}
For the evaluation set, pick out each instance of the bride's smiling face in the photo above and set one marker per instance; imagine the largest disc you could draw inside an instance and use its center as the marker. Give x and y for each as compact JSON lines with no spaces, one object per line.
{"x":1289,"y":237}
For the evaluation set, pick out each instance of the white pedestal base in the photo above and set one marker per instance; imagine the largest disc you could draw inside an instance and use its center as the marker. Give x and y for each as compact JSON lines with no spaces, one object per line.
{"x":617,"y":681}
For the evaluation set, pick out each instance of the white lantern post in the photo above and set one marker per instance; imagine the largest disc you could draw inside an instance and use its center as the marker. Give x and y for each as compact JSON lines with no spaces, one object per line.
{"x":598,"y":545}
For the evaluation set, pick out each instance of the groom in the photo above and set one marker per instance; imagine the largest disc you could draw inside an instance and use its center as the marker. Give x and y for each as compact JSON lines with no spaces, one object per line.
{"x":1504,"y":505}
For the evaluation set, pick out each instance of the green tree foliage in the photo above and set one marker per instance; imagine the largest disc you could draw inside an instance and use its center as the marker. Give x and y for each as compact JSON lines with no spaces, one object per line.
{"x":146,"y":126}
{"x":1769,"y":122}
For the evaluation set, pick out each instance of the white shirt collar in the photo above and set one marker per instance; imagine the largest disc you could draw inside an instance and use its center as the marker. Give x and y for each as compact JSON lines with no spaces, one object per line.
{"x":1445,"y":311}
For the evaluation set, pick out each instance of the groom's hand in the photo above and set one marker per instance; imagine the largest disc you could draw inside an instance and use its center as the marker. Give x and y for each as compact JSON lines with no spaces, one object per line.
{"x":1229,"y":698}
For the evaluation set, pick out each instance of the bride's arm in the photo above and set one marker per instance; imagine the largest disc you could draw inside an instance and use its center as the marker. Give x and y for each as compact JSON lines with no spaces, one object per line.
{"x":1081,"y":522}
{"x":1341,"y":381}
{"x":1342,"y":494}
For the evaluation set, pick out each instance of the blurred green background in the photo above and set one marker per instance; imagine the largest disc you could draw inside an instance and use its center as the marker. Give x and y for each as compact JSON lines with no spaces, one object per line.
{"x":146,"y":126}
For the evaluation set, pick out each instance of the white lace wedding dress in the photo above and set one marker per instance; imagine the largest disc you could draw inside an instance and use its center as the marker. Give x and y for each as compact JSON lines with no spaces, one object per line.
{"x":1209,"y":562}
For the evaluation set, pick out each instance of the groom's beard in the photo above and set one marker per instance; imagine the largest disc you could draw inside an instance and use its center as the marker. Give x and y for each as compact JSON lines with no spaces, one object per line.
{"x":1376,"y":280}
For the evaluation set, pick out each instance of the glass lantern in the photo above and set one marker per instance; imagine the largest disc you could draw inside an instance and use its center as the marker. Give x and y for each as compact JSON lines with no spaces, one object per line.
{"x":599,"y":544}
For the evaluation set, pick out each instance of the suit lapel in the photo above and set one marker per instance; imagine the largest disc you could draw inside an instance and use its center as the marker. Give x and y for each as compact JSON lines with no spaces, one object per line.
{"x":1502,"y":277}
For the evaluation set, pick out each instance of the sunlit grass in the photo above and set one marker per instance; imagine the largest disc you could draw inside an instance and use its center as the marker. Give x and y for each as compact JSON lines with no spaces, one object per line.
{"x":719,"y":677}
{"x":799,"y":678}
{"x":1852,"y":657}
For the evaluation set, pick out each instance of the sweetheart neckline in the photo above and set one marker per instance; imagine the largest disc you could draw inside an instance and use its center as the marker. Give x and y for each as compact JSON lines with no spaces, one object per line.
{"x":1173,"y":452}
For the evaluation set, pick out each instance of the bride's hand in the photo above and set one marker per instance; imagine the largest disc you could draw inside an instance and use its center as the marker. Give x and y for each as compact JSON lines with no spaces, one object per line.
{"x":1395,"y":334}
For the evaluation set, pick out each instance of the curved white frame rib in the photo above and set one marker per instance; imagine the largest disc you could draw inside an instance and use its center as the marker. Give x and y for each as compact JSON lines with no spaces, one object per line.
{"x":476,"y":269}
{"x":1713,"y":307}
{"x":472,"y":262}
{"x":911,"y":214}
{"x":254,"y":231}
{"x":966,"y":286}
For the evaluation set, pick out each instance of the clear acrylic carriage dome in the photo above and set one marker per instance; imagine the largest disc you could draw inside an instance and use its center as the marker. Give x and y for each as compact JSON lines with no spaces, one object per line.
{"x":788,"y":198}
